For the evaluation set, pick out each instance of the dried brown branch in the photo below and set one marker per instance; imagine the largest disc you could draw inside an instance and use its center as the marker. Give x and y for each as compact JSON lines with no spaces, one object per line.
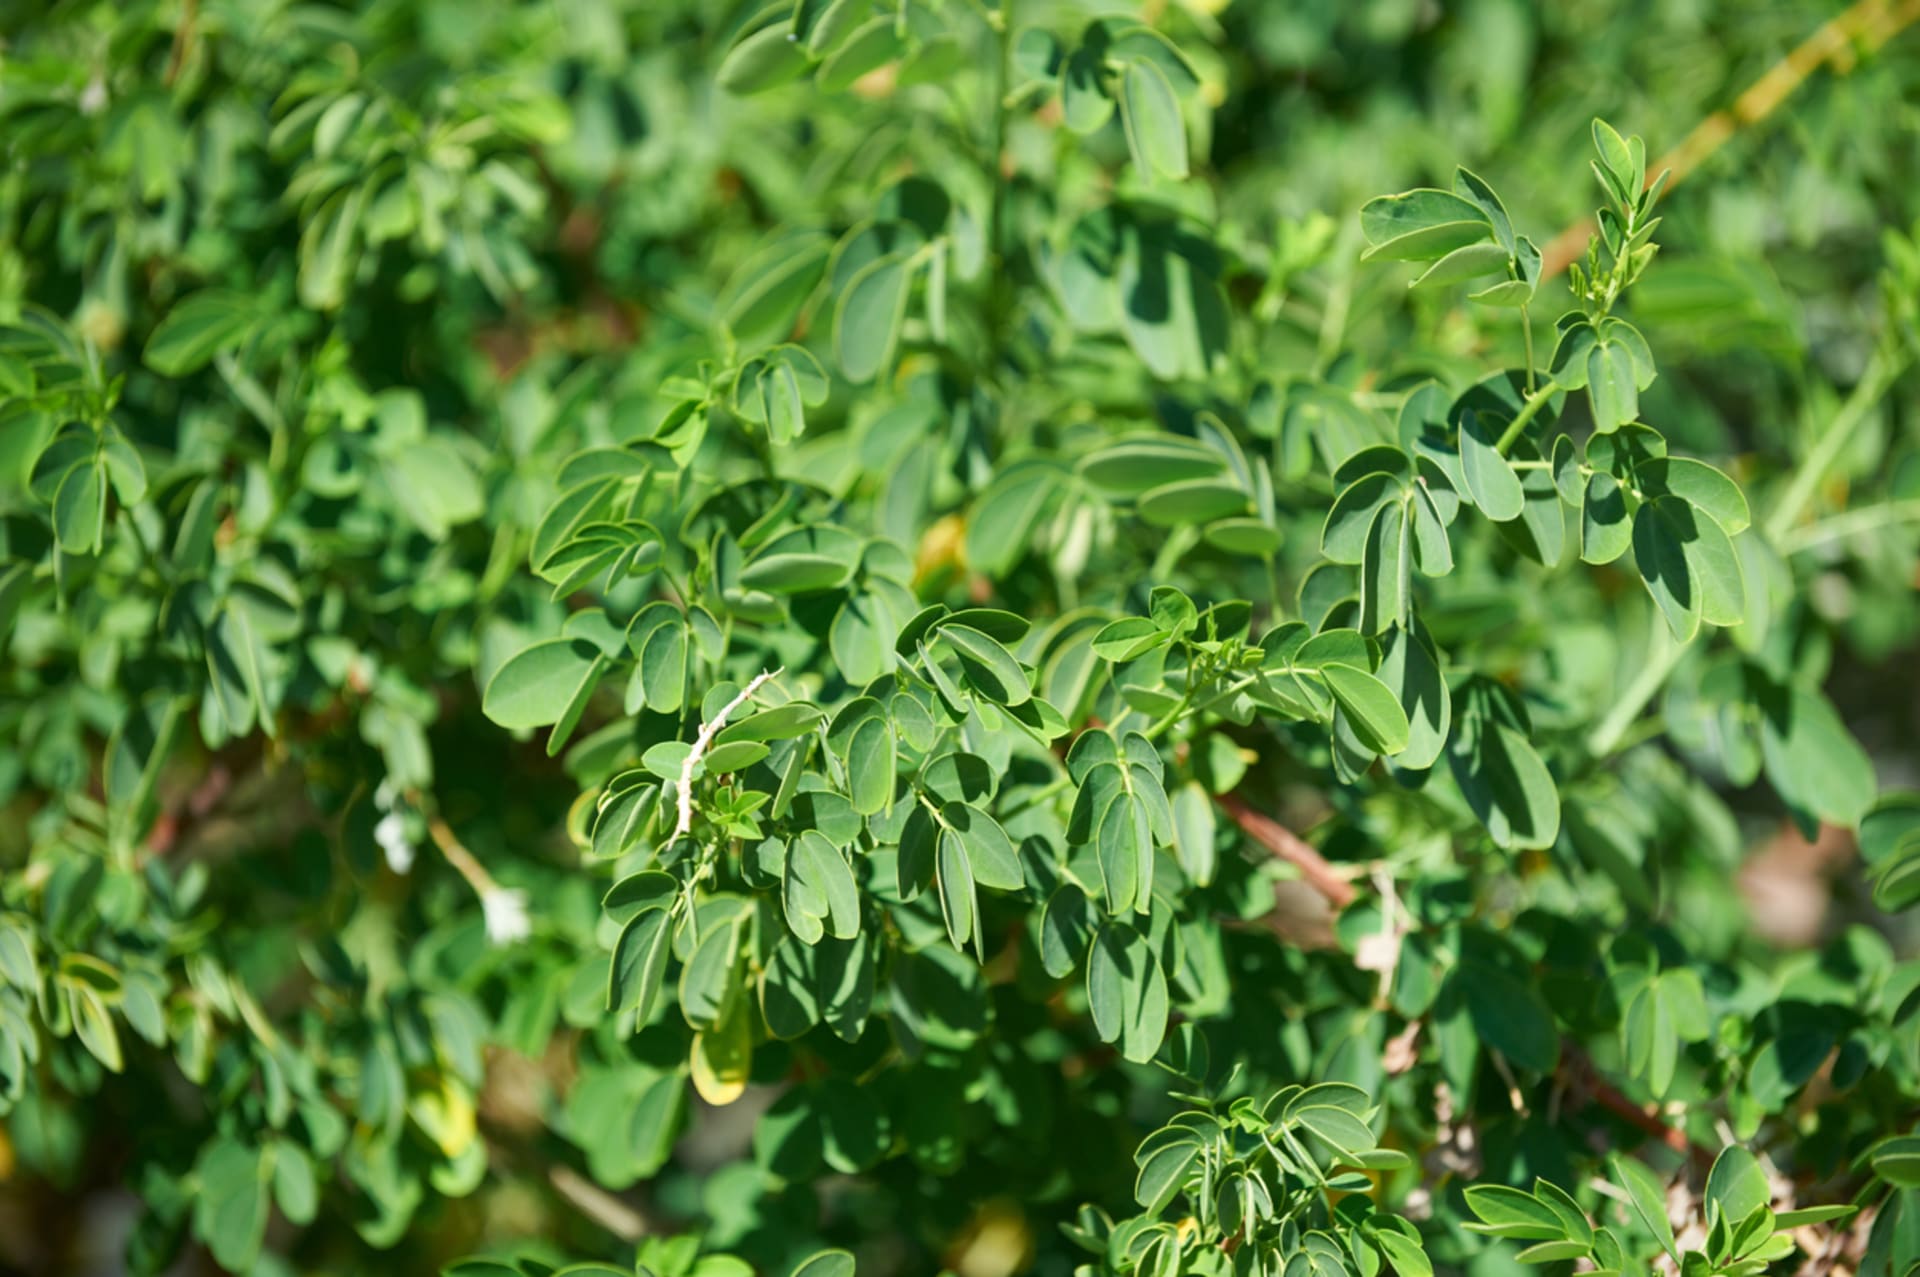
{"x":1861,"y":29}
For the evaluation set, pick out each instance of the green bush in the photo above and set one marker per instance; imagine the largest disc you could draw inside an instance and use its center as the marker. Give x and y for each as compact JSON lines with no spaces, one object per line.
{"x":720,"y":643}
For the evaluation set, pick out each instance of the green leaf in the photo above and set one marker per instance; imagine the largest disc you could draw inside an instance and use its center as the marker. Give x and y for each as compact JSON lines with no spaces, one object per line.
{"x":1510,"y":1016}
{"x":1001,"y":529}
{"x":1164,"y":1170}
{"x":1066,"y":930}
{"x":1469,"y":187}
{"x":1420,"y":225}
{"x":871,"y":46}
{"x":989,"y":668}
{"x":1551,"y":1252}
{"x":709,"y":980}
{"x":826,"y":1263}
{"x":1349,"y":524}
{"x":1896,"y":880}
{"x":125,"y":470}
{"x":1811,"y":759}
{"x":1491,"y":482}
{"x":1410,"y":669}
{"x":1791,"y":1219}
{"x":328,"y":245}
{"x":867,"y":327}
{"x":1084,"y":102}
{"x":230,"y":1209}
{"x":1647,"y":1195}
{"x":761,"y":60}
{"x":1371,"y":708}
{"x":200,"y":326}
{"x":1615,"y":155}
{"x":1736,"y":1186}
{"x":1127,"y":992}
{"x":1190,"y":501}
{"x":1660,"y":530}
{"x":538,"y":684}
{"x":1150,"y":112}
{"x":990,"y":854}
{"x":1897,"y":1160}
{"x":953,"y":877}
{"x":1504,"y":781}
{"x":1469,"y":261}
{"x":80,"y":508}
{"x":435,"y":486}
{"x":1193,"y":832}
{"x":294,"y":1186}
{"x":1432,"y":549}
{"x":1127,"y":639}
{"x":1605,"y":529}
{"x":1172,"y":310}
{"x":824,"y":875}
{"x":1386,"y":580}
{"x":1610,"y":386}
{"x":1403,"y":1253}
{"x":863,"y":739}
{"x":1509,"y":1212}
{"x":1700,"y":485}
{"x":648,"y":889}
{"x":765,"y":293}
{"x":657,"y":637}
{"x":780,"y":402}
{"x":1132,"y":466}
{"x":639,"y":964}
{"x":835,"y":22}
{"x":93,"y":1023}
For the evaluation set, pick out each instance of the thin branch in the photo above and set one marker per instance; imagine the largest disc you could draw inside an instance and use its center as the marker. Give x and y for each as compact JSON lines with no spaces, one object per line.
{"x":182,"y":37}
{"x":1610,"y":1098}
{"x":683,"y":788}
{"x":1861,"y":29}
{"x":598,"y":1205}
{"x":1656,"y":663}
{"x":1880,"y":374}
{"x":1836,"y":527}
{"x":1314,"y":868}
{"x":460,"y":858}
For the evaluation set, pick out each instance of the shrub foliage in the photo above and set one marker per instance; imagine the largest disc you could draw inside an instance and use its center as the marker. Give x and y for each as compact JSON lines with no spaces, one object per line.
{"x":572,"y":567}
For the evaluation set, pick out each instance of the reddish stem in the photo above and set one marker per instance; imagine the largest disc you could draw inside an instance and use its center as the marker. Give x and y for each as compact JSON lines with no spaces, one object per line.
{"x":1318,"y":872}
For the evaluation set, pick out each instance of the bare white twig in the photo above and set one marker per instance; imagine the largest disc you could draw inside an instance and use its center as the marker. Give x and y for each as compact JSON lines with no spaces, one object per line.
{"x":683,"y":788}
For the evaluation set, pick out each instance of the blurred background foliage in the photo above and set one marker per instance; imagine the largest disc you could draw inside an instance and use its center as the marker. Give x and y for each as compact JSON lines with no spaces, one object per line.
{"x":534,"y":209}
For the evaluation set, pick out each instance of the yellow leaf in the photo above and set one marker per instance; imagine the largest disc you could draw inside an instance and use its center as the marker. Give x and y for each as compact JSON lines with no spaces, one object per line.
{"x":445,"y":1115}
{"x":723,"y":1056}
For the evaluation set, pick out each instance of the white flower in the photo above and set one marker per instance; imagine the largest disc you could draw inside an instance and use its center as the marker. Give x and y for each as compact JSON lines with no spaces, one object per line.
{"x":391,"y":834}
{"x":93,"y":98}
{"x":506,"y":911}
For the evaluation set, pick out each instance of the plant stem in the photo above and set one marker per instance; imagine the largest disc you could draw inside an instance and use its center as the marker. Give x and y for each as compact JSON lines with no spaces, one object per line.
{"x":1848,"y":522}
{"x":1526,"y":331}
{"x":1292,"y":848}
{"x":460,"y":858}
{"x":1002,"y":20}
{"x":1034,"y":799}
{"x":1528,"y":411}
{"x":1886,"y":365}
{"x":1171,"y":717}
{"x":1661,"y":656}
{"x":683,"y":788}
